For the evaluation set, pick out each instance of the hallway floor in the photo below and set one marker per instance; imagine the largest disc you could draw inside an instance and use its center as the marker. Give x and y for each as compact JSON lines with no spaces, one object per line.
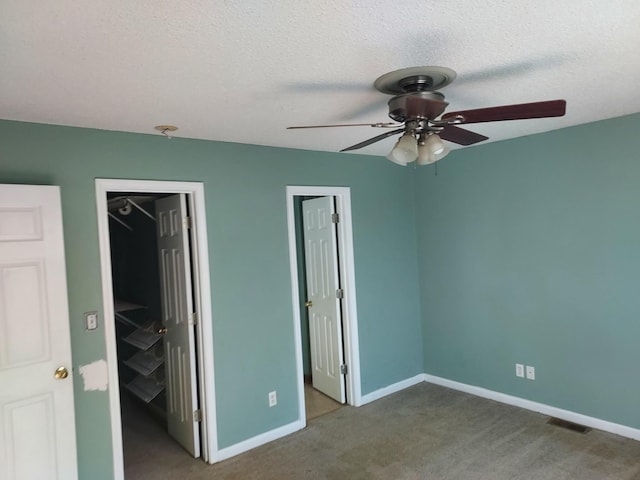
{"x":317,"y":403}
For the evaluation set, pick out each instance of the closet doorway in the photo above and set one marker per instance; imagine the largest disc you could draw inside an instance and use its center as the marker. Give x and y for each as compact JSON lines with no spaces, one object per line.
{"x":323,"y":291}
{"x":157,"y":310}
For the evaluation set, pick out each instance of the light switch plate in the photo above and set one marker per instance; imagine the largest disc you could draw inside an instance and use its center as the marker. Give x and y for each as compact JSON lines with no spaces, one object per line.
{"x":91,"y":320}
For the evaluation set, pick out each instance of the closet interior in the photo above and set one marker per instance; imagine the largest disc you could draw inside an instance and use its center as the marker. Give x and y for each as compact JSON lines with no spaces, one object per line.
{"x":137,"y":305}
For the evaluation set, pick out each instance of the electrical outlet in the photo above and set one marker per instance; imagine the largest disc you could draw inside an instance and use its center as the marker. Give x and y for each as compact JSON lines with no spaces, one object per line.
{"x":519,"y":370}
{"x":531,"y":373}
{"x":91,"y":320}
{"x":273,"y":399}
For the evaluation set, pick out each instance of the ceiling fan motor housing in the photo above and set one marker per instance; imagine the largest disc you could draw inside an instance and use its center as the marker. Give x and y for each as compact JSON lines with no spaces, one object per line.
{"x":416,"y":106}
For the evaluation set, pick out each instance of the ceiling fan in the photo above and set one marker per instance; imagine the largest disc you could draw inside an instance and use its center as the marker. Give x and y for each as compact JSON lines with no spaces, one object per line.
{"x":416,"y":105}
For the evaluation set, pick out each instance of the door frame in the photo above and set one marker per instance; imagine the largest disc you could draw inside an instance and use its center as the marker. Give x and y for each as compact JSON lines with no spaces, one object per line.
{"x":351,"y":353}
{"x":202,"y":303}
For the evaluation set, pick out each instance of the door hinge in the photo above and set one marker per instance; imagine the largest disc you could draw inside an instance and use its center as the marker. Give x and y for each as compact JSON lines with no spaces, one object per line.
{"x":339,"y":293}
{"x":197,"y":415}
{"x":193,"y":318}
{"x":343,"y":369}
{"x":335,"y":217}
{"x":187,"y":223}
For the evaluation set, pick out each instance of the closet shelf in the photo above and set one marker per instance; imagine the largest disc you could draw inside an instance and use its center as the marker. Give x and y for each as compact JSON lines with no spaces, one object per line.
{"x":143,"y":338}
{"x":123,"y":306}
{"x":146,"y":362}
{"x":146,"y":388}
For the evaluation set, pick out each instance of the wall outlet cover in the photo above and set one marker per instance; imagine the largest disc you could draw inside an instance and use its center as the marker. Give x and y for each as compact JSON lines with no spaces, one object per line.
{"x":519,"y":370}
{"x":531,"y":373}
{"x":273,"y":399}
{"x":91,"y":320}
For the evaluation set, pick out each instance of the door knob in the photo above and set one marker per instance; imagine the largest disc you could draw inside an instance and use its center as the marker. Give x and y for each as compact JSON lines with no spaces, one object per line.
{"x":61,"y":373}
{"x":308,"y":303}
{"x":162,"y":330}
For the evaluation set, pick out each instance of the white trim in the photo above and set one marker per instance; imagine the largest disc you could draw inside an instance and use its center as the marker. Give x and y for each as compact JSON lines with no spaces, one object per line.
{"x":394,"y":388}
{"x":347,"y":273}
{"x":574,"y":417}
{"x":259,"y":440}
{"x":203,"y":298}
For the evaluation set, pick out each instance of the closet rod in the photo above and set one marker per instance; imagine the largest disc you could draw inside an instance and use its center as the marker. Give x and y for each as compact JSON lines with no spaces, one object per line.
{"x":120,"y":221}
{"x":141,"y":209}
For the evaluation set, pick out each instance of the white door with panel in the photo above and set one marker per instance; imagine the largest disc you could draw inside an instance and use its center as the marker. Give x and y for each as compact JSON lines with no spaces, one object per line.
{"x":37,"y":425}
{"x":178,"y":320}
{"x":323,"y":302}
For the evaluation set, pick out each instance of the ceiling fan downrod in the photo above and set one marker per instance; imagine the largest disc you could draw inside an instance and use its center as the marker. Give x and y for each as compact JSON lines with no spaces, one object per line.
{"x":416,"y":83}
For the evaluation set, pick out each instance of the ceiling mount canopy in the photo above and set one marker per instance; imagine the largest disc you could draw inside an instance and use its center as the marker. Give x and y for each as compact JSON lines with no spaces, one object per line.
{"x":414,"y":79}
{"x":416,"y":105}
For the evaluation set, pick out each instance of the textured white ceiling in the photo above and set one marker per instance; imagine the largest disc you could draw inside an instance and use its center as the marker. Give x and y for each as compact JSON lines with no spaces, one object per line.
{"x":243,"y":71}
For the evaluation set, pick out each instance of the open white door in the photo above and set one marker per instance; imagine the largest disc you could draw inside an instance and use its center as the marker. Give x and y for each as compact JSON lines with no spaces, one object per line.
{"x":37,"y":424}
{"x":325,"y":323}
{"x":177,"y":318}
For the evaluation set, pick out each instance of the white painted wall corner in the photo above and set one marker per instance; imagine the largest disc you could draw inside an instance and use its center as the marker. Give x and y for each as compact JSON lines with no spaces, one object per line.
{"x":393,"y":388}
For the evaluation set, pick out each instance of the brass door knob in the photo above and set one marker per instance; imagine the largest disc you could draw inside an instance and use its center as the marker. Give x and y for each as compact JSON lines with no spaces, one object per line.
{"x":308,"y":303}
{"x":61,"y":373}
{"x":162,"y":330}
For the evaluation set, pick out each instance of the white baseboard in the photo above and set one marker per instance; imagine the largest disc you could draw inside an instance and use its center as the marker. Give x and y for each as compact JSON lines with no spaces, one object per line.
{"x":271,"y":435}
{"x":257,"y":441}
{"x":568,"y":415}
{"x":396,"y":387}
{"x":599,"y":424}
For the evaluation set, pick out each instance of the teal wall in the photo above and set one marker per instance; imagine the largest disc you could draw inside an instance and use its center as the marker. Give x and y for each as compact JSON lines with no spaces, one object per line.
{"x":529,"y":252}
{"x":526,"y":251}
{"x":249,"y":260}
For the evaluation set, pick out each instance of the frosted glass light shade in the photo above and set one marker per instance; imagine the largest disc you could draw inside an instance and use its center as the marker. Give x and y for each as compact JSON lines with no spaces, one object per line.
{"x":445,"y":151}
{"x":424,"y":155}
{"x":434,"y":144}
{"x":397,"y":158}
{"x":405,"y":151}
{"x":431,"y":150}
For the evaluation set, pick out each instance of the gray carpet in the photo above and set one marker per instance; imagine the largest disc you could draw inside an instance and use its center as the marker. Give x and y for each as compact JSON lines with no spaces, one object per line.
{"x":424,"y":432}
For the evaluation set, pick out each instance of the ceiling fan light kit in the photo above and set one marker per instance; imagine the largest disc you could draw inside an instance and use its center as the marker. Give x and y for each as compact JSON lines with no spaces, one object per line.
{"x":405,"y":151}
{"x":431,"y":149}
{"x":416,"y":106}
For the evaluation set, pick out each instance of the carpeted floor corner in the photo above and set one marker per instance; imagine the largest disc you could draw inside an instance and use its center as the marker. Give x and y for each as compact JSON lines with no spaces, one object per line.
{"x":424,"y":432}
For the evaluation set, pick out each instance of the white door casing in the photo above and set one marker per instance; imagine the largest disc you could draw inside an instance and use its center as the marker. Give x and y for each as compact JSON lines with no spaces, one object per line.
{"x":37,"y":423}
{"x":325,"y":322}
{"x":202,"y":289}
{"x":177,"y":317}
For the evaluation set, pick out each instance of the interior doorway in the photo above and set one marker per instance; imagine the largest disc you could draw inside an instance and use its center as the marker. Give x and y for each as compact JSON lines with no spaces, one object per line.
{"x":335,"y":323}
{"x":152,"y":277}
{"x":154,"y":254}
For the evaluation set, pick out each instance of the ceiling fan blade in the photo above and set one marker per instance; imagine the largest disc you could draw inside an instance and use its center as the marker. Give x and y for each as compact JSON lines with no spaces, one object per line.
{"x":376,"y":125}
{"x":552,"y":108}
{"x":373,"y":140}
{"x":460,"y":135}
